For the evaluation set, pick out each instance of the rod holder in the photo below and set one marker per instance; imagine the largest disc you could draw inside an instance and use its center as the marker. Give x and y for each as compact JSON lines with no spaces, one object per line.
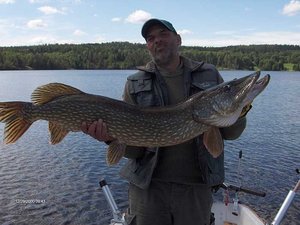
{"x":285,"y":205}
{"x":118,"y":218}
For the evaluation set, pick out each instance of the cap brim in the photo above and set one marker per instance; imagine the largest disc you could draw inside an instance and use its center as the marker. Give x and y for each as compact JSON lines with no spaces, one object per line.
{"x":152,"y":22}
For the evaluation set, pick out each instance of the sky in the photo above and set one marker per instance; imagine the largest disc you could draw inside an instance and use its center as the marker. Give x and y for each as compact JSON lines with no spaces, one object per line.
{"x":211,"y":23}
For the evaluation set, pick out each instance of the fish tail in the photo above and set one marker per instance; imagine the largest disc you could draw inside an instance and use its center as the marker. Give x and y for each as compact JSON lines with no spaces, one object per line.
{"x":12,"y":114}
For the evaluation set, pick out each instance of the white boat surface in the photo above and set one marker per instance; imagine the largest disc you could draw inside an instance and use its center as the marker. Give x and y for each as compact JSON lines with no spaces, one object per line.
{"x":228,"y":215}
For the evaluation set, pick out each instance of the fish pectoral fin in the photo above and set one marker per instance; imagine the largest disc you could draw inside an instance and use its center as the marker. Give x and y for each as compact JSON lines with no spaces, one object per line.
{"x":213,"y":141}
{"x":57,"y":132}
{"x":115,"y":152}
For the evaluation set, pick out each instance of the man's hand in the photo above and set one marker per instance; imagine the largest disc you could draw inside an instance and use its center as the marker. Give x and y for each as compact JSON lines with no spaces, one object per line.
{"x":97,"y":130}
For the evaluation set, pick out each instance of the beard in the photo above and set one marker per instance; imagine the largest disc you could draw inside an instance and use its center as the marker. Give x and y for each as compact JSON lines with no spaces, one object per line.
{"x":164,"y":55}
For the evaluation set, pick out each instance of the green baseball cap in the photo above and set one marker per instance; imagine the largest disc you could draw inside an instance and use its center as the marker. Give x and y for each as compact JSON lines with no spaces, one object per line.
{"x":152,"y":22}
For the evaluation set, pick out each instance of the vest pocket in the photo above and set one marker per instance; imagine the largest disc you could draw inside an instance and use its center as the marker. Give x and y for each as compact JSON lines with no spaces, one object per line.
{"x":147,"y":99}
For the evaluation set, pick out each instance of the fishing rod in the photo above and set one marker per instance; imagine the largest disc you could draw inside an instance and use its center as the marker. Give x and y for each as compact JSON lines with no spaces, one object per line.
{"x":287,"y":202}
{"x":238,"y":188}
{"x":239,"y":167}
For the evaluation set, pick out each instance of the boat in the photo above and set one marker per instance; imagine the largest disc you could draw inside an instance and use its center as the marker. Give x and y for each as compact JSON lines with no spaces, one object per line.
{"x":226,"y":212}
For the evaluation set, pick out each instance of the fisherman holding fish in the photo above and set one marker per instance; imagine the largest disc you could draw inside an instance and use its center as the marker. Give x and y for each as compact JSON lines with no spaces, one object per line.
{"x":171,"y":126}
{"x":170,"y":185}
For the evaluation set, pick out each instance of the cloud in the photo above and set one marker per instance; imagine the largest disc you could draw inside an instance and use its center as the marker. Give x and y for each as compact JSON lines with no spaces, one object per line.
{"x":116,"y":19}
{"x":42,"y":40}
{"x":4,"y":27}
{"x":79,"y":33}
{"x":29,"y":40}
{"x":138,"y":16}
{"x":77,"y":1}
{"x":48,"y":10}
{"x":292,"y":8}
{"x":184,"y":31}
{"x":37,"y":1}
{"x":36,"y":24}
{"x":7,"y":1}
{"x":225,"y":32}
{"x":49,"y":1}
{"x":257,"y":38}
{"x":5,"y":23}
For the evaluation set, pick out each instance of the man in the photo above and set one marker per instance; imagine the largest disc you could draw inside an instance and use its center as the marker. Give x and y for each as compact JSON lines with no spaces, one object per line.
{"x":169,"y":185}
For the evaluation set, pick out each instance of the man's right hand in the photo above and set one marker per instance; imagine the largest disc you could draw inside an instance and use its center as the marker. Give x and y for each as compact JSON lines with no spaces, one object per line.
{"x":97,"y":130}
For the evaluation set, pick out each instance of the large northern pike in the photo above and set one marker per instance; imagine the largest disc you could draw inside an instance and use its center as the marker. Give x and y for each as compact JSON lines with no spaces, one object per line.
{"x":66,"y":107}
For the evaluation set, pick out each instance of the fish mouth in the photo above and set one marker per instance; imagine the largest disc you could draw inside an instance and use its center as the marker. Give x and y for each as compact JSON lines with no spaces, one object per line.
{"x":245,"y":85}
{"x":257,"y":88}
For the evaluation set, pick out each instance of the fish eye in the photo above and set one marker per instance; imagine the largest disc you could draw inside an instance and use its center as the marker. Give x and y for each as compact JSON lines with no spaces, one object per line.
{"x":227,"y":88}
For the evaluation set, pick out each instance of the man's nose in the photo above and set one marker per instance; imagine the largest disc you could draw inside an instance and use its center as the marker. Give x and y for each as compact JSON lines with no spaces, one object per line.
{"x":157,"y":39}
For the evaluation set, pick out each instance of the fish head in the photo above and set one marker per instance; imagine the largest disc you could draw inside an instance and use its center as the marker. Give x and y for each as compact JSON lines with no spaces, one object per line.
{"x":221,"y":105}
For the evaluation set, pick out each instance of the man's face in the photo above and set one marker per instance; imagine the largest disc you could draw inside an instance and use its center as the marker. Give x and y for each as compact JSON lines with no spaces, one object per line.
{"x":162,"y":44}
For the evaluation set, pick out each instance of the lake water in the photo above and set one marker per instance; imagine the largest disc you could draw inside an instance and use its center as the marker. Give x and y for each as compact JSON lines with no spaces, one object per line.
{"x":46,"y":184}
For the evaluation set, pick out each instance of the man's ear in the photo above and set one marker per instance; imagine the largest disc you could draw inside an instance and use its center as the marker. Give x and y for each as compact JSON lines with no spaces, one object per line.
{"x":178,"y":40}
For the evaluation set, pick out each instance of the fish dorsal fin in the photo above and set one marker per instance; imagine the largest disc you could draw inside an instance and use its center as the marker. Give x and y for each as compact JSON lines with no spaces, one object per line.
{"x":213,"y":141}
{"x":57,"y":132}
{"x":49,"y":92}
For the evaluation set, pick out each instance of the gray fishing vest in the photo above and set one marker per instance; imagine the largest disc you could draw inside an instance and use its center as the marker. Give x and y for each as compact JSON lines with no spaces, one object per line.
{"x":147,"y":88}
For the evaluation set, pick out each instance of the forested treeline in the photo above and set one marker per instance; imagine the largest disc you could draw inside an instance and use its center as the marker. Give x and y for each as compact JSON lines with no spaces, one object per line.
{"x":125,"y":55}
